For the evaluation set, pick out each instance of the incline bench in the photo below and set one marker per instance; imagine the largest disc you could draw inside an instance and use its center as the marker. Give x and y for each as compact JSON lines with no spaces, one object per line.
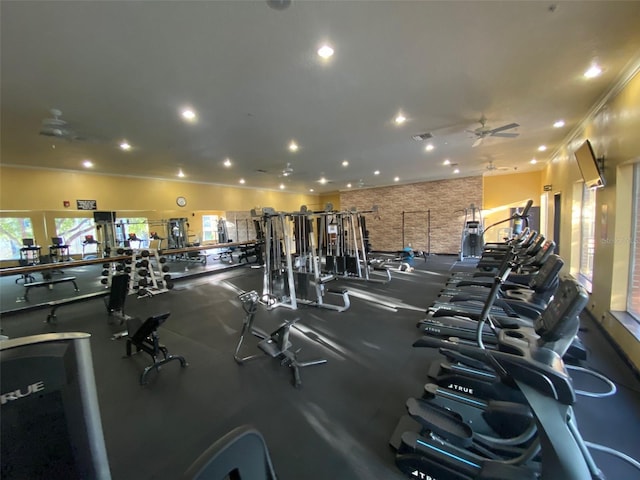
{"x":48,"y":283}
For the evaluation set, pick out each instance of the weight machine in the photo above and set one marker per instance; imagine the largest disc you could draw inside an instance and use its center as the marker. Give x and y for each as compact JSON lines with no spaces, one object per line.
{"x":292,"y":270}
{"x":343,"y":242}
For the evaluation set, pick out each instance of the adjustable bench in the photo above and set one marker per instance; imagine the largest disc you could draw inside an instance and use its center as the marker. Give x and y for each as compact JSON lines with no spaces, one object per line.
{"x":144,"y":337}
{"x":48,"y":283}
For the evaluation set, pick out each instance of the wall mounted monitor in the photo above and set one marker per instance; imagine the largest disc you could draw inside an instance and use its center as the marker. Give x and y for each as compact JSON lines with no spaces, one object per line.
{"x":588,"y":163}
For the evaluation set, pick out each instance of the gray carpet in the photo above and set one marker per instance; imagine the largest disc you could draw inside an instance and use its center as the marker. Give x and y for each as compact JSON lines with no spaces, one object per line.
{"x":337,"y":425}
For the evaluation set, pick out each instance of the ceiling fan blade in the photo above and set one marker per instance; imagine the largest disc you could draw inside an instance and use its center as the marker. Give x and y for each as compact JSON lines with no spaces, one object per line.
{"x":505,"y":135}
{"x":504,"y":127}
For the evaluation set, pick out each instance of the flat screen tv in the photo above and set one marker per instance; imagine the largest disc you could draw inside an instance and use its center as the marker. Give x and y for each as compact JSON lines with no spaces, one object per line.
{"x":589,"y":168}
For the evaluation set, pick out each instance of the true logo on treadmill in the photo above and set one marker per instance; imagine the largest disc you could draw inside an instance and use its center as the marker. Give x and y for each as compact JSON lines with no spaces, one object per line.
{"x":21,"y":393}
{"x":460,"y":388}
{"x":422,"y":476}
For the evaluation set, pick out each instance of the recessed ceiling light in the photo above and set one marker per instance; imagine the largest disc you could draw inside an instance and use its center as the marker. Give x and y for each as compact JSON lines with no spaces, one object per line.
{"x":533,"y":161}
{"x":377,"y":172}
{"x":400,"y":119}
{"x":293,"y":146}
{"x":345,"y":163}
{"x":325,"y":51}
{"x":180,"y":173}
{"x":429,"y":147}
{"x":87,"y":164}
{"x":457,"y":170}
{"x":124,"y":145}
{"x":593,"y":71}
{"x":227,"y":162}
{"x":311,"y":190}
{"x":188,"y":114}
{"x":559,"y":124}
{"x":323,"y":180}
{"x":241,"y":181}
{"x":282,"y":186}
{"x":542,"y":148}
{"x":396,"y":179}
{"x":348,"y":185}
{"x":446,"y":162}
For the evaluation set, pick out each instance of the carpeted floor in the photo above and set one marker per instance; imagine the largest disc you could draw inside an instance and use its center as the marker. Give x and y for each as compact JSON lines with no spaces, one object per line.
{"x":336,"y":426}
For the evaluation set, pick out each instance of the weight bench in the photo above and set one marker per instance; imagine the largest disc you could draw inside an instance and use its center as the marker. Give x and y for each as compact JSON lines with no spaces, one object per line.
{"x":144,"y":336}
{"x":67,"y":301}
{"x":48,"y":283}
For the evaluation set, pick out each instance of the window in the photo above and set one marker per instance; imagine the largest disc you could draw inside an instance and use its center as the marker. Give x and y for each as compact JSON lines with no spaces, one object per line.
{"x":209,"y":228}
{"x":134,"y":230}
{"x":73,"y":231}
{"x":587,"y":236}
{"x":633,"y":299}
{"x":12,"y":231}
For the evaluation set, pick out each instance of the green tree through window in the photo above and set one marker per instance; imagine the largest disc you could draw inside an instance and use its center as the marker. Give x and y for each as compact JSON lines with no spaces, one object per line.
{"x":12,"y":231}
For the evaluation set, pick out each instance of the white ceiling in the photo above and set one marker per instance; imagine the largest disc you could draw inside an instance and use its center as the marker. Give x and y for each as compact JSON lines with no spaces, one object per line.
{"x":123,"y":70}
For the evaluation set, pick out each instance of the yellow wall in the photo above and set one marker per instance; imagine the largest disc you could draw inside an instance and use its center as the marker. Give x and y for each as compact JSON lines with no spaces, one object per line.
{"x":332,"y":198}
{"x":30,"y":189}
{"x":39,"y":195}
{"x":613,"y":132}
{"x":503,"y":192}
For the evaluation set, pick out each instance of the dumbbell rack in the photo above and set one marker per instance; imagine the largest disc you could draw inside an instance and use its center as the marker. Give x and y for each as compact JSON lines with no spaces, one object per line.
{"x":147,"y":269}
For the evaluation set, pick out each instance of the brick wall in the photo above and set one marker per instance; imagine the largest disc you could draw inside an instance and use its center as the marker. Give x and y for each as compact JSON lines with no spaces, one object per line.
{"x":445,"y":199}
{"x":240,"y":225}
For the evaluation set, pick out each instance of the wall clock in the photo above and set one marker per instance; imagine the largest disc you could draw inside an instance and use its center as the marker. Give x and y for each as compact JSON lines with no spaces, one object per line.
{"x":181,"y":201}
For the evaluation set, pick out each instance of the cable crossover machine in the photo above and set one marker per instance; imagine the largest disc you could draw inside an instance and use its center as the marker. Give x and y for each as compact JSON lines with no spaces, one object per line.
{"x":292,"y":269}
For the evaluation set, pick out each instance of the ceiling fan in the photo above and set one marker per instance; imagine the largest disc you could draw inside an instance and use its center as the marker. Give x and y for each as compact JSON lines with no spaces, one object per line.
{"x":58,"y":128}
{"x":491,"y":167}
{"x":286,"y":171}
{"x":483,"y":131}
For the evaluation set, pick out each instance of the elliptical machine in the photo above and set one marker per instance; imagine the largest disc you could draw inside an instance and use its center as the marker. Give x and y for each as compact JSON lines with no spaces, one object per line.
{"x":472,"y":240}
